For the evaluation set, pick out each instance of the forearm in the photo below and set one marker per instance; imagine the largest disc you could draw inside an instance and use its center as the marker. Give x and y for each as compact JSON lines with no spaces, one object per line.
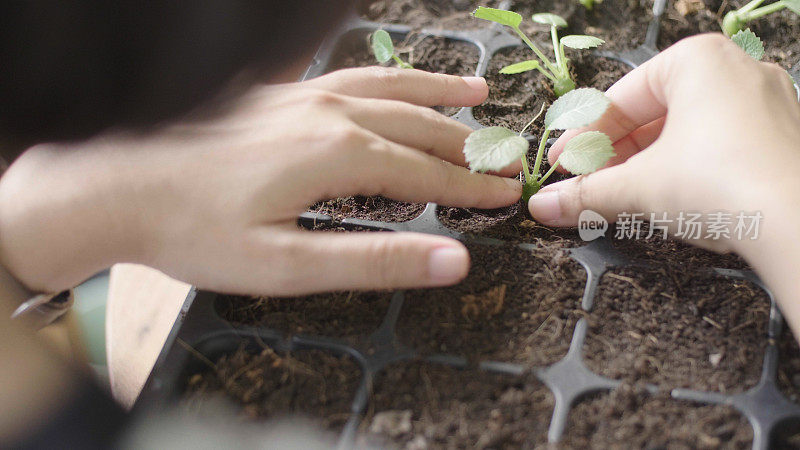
{"x":65,"y":215}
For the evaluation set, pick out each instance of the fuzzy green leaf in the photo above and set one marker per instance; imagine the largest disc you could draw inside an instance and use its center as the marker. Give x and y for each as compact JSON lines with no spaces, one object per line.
{"x":581,"y":42}
{"x":550,"y":19}
{"x":520,"y":67}
{"x":508,"y":18}
{"x":750,"y":43}
{"x":382,"y":46}
{"x":576,"y":109}
{"x":793,"y":5}
{"x":494,"y":148}
{"x":586,"y":153}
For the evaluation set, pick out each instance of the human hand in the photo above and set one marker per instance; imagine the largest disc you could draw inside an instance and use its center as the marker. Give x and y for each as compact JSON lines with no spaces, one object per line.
{"x":701,"y":127}
{"x":214,"y":203}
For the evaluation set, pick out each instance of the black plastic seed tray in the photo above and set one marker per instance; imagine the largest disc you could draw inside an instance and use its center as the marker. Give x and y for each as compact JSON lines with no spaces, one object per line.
{"x":200,"y":330}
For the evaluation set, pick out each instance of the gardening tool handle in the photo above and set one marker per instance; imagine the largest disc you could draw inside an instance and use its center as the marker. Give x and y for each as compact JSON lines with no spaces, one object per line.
{"x":654,"y":27}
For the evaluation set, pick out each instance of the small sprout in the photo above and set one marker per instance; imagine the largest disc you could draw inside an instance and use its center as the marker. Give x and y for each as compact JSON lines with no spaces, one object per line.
{"x":494,"y":148}
{"x":735,"y":21}
{"x":383,"y":49}
{"x":750,"y":43}
{"x":557,"y":72}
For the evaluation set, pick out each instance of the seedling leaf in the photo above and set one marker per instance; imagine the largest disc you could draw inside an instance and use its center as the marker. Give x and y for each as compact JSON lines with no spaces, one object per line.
{"x":793,"y":5}
{"x":587,"y":153}
{"x":494,"y":148}
{"x":750,"y":43}
{"x":508,"y":18}
{"x":382,"y":46}
{"x":520,"y":67}
{"x":582,"y":42}
{"x":550,"y":19}
{"x":576,"y":109}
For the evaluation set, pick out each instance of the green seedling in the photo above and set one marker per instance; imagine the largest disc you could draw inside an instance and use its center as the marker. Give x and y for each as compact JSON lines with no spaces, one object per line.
{"x":589,"y":4}
{"x":557,"y":72}
{"x":737,"y":20}
{"x":750,"y":43}
{"x":495,"y":148}
{"x":383,"y":49}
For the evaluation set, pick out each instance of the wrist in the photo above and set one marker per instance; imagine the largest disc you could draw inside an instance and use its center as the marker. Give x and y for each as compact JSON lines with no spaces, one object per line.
{"x":65,"y":215}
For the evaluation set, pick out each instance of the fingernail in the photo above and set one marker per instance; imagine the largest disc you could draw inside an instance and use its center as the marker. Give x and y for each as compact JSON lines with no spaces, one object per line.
{"x":448,"y":265}
{"x":475,"y":83}
{"x":545,"y":206}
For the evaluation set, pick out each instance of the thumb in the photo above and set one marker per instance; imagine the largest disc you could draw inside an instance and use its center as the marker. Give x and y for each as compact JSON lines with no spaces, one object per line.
{"x":379,"y":260}
{"x":607,"y":192}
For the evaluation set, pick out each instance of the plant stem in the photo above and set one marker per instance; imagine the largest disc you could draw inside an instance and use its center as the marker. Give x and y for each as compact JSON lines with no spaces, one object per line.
{"x":401,"y":63}
{"x":536,"y":50}
{"x":540,"y":153}
{"x":547,"y":74}
{"x":763,"y":11}
{"x":750,"y":6}
{"x":549,"y":172}
{"x":556,"y":45}
{"x":525,"y":170}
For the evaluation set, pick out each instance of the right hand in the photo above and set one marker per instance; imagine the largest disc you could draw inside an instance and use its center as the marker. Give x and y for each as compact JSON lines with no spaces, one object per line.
{"x":702,"y":127}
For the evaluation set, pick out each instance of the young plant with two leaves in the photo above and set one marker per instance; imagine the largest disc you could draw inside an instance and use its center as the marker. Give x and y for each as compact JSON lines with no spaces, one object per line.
{"x":495,"y":148}
{"x":383,"y":49}
{"x":556,"y":71}
{"x":735,"y":21}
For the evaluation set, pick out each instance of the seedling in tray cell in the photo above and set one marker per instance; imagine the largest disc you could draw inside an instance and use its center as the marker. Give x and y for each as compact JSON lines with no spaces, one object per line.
{"x":735,"y":21}
{"x":557,"y":72}
{"x":494,"y":148}
{"x":383,"y":49}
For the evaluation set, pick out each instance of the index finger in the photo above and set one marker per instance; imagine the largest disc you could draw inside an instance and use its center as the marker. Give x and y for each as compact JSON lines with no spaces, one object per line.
{"x":408,"y":85}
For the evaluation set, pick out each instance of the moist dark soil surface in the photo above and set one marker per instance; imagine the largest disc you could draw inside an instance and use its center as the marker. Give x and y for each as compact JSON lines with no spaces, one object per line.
{"x":789,"y":366}
{"x":338,"y":315}
{"x":369,"y":208}
{"x":267,"y":385}
{"x":515,"y":306}
{"x":657,"y":250}
{"x":674,"y":326}
{"x":621,"y":23}
{"x":516,"y":99}
{"x":628,"y":417}
{"x":778,"y":31}
{"x":422,"y":405}
{"x":439,"y":14}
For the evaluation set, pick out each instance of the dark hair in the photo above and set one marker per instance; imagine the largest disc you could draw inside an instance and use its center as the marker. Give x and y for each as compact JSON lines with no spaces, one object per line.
{"x":69,"y":69}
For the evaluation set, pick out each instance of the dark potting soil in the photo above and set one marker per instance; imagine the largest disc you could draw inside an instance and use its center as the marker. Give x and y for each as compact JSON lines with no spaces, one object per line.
{"x":516,"y":99}
{"x":435,"y":14}
{"x":656,"y":250}
{"x":432,"y":54}
{"x":789,"y":366}
{"x":267,"y":385}
{"x":369,"y":208}
{"x":423,"y":405}
{"x":629,"y":417}
{"x":778,"y":31}
{"x":515,"y":306}
{"x":338,"y":315}
{"x":677,"y":327}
